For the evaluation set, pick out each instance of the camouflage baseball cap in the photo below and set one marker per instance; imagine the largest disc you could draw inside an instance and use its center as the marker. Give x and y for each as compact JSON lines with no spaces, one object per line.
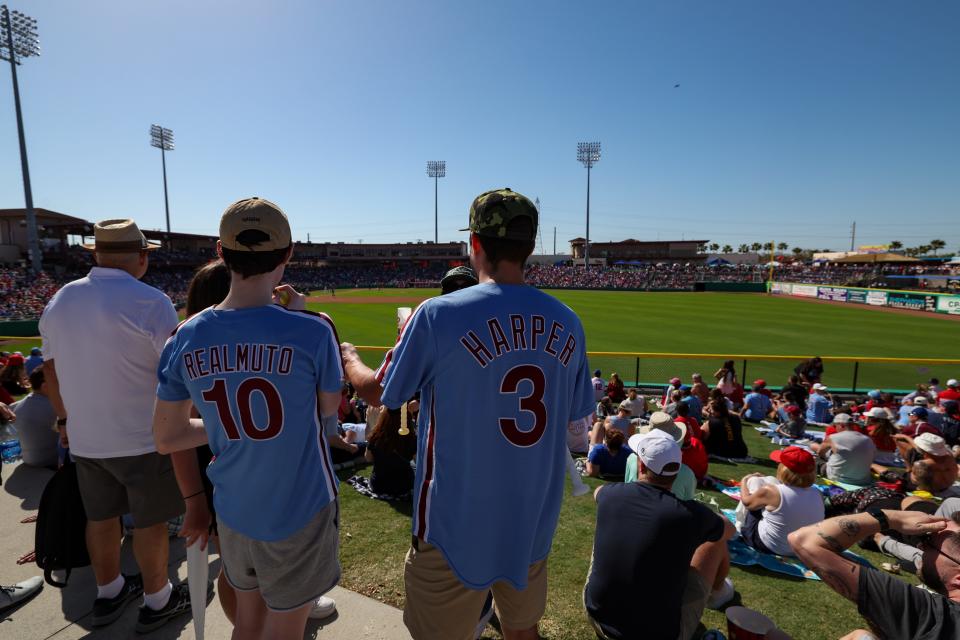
{"x":492,"y":211}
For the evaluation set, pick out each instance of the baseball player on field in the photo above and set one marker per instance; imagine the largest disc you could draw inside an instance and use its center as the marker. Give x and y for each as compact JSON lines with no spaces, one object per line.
{"x":261,"y":376}
{"x":502,"y":369}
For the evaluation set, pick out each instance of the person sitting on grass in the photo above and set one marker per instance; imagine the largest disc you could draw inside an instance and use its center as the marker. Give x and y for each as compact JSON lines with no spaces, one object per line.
{"x":615,"y":388}
{"x":391,"y":454}
{"x":685,"y":483}
{"x":793,"y":427}
{"x":723,"y":433}
{"x":620,"y":422}
{"x":819,"y":405}
{"x":919,"y":424}
{"x":881,"y":430}
{"x":757,"y":406}
{"x":700,"y":389}
{"x":658,"y":561}
{"x":776,"y":509}
{"x":932,"y":450}
{"x":847,"y":455}
{"x":692,"y":401}
{"x":894,"y":609}
{"x":685,"y":414}
{"x":609,"y":458}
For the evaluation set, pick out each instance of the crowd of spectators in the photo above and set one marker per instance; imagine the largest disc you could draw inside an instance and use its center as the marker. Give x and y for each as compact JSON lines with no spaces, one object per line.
{"x":23,"y":296}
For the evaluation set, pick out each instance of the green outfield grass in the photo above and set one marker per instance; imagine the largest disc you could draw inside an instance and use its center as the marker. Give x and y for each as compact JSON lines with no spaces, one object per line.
{"x":716,"y":323}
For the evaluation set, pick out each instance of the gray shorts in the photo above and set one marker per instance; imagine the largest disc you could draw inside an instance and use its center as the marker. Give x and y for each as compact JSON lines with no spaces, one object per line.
{"x":291,"y":572}
{"x":143,"y":486}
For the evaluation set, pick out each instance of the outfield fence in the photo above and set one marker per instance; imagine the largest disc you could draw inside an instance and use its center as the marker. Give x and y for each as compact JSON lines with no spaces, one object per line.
{"x":843,"y":374}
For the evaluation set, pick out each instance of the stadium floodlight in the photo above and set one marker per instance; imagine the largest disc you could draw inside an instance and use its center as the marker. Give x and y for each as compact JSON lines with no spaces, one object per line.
{"x":436,"y":169}
{"x":588,"y":153}
{"x":162,"y":138}
{"x":18,"y":40}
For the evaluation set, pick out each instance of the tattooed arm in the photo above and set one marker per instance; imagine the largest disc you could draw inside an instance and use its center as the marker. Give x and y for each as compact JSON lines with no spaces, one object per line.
{"x":820,"y":546}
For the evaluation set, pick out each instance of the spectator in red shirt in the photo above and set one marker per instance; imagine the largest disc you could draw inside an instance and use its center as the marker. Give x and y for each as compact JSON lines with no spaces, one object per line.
{"x":952,"y":392}
{"x":918,"y":424}
{"x":695,"y":456}
{"x":615,"y":389}
{"x":693,"y":425}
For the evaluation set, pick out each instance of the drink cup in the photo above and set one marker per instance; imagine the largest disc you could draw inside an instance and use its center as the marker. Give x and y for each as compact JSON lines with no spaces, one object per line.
{"x":747,"y":624}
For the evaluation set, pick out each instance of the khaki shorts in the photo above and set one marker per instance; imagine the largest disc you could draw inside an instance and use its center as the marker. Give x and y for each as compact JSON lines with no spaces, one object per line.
{"x":291,"y":572}
{"x":143,"y":486}
{"x":694,"y":602}
{"x":440,"y":607}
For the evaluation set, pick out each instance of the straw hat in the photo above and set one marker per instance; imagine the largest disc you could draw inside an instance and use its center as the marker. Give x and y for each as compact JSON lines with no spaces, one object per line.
{"x":119,"y":236}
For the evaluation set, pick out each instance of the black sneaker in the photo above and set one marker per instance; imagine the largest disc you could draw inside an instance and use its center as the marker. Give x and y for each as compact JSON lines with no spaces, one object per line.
{"x":106,"y":610}
{"x":178,"y":604}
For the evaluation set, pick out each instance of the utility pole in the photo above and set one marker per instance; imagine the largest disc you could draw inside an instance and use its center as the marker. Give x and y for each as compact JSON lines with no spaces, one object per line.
{"x":436,"y":169}
{"x":162,"y":138}
{"x":18,"y":39}
{"x":588,"y":153}
{"x":853,"y":235}
{"x":554,"y":241}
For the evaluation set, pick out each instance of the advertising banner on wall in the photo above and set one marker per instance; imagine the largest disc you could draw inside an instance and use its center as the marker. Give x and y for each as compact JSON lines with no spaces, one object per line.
{"x":915,"y":301}
{"x":781,"y":287}
{"x":857,"y":295}
{"x":805,"y":290}
{"x":877,"y":298}
{"x":837,"y":294}
{"x":948,"y":304}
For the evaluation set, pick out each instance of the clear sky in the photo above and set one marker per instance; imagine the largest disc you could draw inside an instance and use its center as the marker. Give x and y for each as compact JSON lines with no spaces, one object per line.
{"x":791,"y":119}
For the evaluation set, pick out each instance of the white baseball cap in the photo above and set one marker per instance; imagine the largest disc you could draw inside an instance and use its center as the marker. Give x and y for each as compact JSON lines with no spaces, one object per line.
{"x":842,"y":418}
{"x":820,"y":387}
{"x":952,"y":382}
{"x":922,"y":401}
{"x":656,"y":450}
{"x":877,"y":412}
{"x":932,"y":443}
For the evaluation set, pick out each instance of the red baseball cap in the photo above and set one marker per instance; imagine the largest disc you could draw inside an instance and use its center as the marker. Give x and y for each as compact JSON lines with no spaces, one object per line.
{"x":794,"y":458}
{"x":15,"y":358}
{"x":759,"y":382}
{"x":794,"y":410}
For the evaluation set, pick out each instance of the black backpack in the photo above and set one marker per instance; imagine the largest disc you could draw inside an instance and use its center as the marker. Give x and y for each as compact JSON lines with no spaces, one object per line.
{"x":60,"y":539}
{"x":950,"y":428}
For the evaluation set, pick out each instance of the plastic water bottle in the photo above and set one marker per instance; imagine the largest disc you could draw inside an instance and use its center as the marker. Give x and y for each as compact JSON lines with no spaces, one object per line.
{"x":9,"y":444}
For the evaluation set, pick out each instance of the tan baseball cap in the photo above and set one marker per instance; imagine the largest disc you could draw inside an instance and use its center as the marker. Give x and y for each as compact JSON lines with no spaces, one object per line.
{"x":254,"y":214}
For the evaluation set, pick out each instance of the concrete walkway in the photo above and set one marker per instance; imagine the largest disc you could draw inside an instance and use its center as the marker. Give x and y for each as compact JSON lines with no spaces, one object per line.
{"x":65,"y":614}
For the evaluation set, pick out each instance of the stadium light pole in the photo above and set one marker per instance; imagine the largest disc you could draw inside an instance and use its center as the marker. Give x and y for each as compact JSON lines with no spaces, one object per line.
{"x":588,"y":153}
{"x":162,"y":138}
{"x":18,"y":39}
{"x":436,"y":169}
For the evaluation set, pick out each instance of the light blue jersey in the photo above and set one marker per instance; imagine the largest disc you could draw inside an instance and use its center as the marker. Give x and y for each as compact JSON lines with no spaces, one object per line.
{"x":502,"y":370}
{"x":253,"y":374}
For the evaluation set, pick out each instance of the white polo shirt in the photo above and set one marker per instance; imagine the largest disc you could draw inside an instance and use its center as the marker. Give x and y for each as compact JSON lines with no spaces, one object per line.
{"x":105,"y":333}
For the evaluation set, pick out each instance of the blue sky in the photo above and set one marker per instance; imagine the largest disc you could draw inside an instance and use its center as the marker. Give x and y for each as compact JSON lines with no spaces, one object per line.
{"x":792,"y":119}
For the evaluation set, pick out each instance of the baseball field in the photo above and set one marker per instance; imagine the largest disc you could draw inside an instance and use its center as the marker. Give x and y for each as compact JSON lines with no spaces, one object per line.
{"x":730,"y":325}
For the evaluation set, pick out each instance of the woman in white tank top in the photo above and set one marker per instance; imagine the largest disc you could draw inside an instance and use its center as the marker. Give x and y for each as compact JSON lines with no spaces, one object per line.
{"x":774,"y":510}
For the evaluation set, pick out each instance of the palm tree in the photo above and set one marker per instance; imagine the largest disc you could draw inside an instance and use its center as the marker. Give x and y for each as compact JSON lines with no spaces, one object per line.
{"x":756,"y":246}
{"x":936,"y":245}
{"x":727,"y":249}
{"x":768,"y":246}
{"x":744,"y":248}
{"x":783,"y":246}
{"x":896,"y":244}
{"x":714,"y":247}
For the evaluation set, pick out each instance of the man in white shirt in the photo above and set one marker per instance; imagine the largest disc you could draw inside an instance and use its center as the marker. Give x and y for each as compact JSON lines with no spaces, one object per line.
{"x":102,"y":338}
{"x":599,"y":386}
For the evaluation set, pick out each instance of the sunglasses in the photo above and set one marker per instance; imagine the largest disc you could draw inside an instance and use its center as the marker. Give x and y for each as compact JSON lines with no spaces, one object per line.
{"x":929,"y":542}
